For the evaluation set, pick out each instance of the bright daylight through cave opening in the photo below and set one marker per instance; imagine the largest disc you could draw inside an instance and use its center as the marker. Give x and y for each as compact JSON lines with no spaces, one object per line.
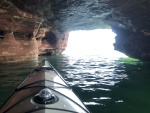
{"x":94,"y":42}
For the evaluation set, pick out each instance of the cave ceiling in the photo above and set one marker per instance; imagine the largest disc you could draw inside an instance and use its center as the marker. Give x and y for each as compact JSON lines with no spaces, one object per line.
{"x":89,"y":14}
{"x":129,"y":19}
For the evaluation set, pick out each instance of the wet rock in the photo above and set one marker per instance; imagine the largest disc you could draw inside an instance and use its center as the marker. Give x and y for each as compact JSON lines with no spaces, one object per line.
{"x":48,"y":22}
{"x":12,"y":50}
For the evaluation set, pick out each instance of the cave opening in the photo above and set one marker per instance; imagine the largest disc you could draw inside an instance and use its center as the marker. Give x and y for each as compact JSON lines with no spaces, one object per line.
{"x":92,"y":42}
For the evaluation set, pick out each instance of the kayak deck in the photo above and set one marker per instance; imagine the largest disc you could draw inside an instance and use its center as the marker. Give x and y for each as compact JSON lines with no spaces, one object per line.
{"x":44,"y":77}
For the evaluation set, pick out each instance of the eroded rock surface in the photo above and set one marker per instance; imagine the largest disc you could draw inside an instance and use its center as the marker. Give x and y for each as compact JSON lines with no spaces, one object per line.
{"x":23,"y":36}
{"x":42,"y":26}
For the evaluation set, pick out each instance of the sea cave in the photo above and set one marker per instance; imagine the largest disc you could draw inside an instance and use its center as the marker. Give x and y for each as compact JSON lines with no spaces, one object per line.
{"x":29,"y":28}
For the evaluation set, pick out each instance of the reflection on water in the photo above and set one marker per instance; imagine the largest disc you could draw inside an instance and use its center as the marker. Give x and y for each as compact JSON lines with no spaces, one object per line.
{"x":11,"y":75}
{"x":105,"y":85}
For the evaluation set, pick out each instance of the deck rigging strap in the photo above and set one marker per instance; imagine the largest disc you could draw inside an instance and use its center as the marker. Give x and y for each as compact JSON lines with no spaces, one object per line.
{"x":28,"y":85}
{"x":45,"y":107}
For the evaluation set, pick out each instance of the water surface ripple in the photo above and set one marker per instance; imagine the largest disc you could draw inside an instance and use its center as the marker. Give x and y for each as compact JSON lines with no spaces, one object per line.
{"x":105,"y":85}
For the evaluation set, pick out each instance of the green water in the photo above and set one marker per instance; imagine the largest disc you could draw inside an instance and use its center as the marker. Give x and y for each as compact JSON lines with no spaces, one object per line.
{"x":105,"y":85}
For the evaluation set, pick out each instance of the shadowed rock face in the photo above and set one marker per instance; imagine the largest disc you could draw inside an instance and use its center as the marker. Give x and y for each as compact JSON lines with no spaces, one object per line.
{"x":49,"y":22}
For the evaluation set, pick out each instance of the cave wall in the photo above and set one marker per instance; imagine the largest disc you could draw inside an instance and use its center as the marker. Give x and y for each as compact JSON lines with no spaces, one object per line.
{"x":130,"y":21}
{"x":29,"y":28}
{"x":13,"y":50}
{"x":54,"y":43}
{"x":24,"y":38}
{"x":133,"y":44}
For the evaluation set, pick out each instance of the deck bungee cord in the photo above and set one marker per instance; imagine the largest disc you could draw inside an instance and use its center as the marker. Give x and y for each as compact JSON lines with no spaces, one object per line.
{"x":44,"y":91}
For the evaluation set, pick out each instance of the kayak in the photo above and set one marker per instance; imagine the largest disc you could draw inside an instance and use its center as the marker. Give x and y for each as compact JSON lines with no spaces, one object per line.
{"x":44,"y":91}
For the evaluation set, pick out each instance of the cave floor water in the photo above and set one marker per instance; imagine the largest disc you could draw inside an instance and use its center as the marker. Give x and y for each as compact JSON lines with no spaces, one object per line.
{"x":105,"y":85}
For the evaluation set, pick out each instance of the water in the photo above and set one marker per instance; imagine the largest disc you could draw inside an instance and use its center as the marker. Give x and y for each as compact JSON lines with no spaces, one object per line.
{"x":11,"y":75}
{"x":105,"y":85}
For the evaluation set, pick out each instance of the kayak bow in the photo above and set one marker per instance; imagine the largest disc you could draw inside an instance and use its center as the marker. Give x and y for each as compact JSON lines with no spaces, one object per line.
{"x":43,"y":91}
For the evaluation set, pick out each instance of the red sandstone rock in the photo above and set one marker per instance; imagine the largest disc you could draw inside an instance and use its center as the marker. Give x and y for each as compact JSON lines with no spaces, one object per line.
{"x":12,"y":50}
{"x":54,"y":44}
{"x":23,"y":39}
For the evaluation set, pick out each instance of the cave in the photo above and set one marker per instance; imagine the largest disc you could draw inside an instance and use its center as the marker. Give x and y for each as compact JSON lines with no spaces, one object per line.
{"x":39,"y":27}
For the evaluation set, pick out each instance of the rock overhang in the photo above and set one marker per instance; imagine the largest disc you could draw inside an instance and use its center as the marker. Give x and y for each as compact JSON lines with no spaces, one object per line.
{"x":128,"y":19}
